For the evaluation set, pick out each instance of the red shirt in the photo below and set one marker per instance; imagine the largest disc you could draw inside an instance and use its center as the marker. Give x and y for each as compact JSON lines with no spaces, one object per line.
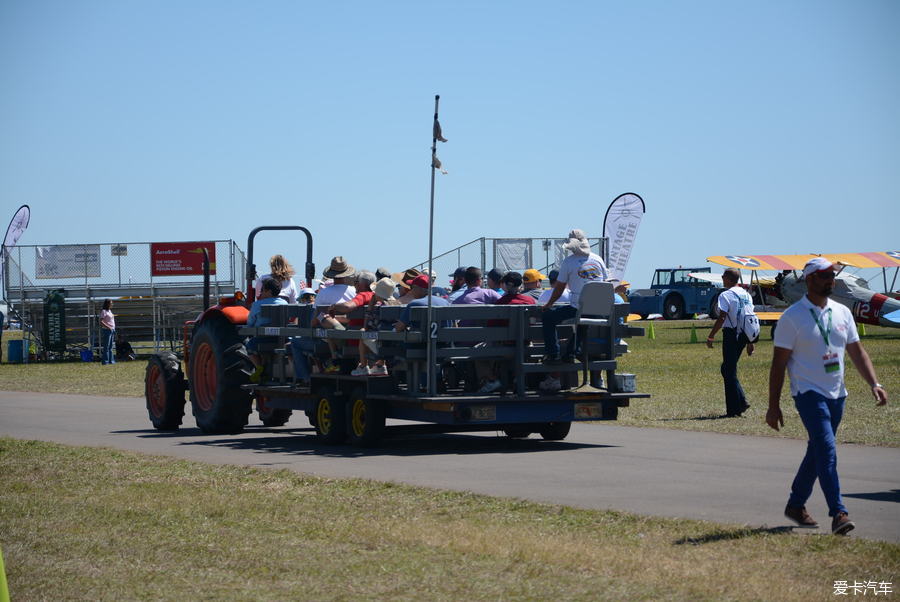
{"x":361,"y":299}
{"x":511,"y":299}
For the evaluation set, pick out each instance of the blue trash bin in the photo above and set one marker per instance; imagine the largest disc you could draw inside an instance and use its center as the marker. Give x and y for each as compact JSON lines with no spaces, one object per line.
{"x":15,"y":351}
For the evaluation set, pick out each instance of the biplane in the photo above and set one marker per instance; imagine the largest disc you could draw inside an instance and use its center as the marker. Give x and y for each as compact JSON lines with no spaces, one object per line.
{"x":868,"y":306}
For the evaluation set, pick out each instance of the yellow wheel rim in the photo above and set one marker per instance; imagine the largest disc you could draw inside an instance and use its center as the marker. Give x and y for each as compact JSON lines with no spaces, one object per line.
{"x":323,"y":416}
{"x":358,"y":417}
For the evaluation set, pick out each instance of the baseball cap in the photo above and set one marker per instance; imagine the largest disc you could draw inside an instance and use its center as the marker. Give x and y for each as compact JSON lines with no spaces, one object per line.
{"x":532,"y":275}
{"x":421,"y":281}
{"x":553,"y":275}
{"x":459,"y":272}
{"x":496,"y":274}
{"x":817,"y":264}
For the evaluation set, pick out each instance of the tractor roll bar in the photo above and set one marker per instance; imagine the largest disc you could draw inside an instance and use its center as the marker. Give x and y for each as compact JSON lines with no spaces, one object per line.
{"x":251,"y":267}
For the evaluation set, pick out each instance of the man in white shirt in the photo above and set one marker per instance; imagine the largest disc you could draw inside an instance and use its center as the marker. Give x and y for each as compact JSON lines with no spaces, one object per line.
{"x":810,"y":341}
{"x":733,"y":303}
{"x":577,"y":269}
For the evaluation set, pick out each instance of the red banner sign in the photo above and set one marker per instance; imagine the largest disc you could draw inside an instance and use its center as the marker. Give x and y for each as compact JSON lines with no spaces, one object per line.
{"x":181,"y":258}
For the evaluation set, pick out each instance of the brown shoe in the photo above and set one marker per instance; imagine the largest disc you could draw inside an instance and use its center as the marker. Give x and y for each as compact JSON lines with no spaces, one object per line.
{"x":801,"y":517}
{"x":841,"y":524}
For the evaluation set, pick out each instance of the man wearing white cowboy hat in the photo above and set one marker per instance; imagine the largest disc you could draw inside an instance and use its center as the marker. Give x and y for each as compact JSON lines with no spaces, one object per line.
{"x":810,"y":341}
{"x":342,"y":290}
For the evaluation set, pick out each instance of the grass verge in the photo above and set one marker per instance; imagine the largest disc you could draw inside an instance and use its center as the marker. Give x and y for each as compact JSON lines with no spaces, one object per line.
{"x":86,"y":523}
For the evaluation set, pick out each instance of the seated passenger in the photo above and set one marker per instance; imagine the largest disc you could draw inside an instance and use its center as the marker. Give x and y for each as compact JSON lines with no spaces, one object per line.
{"x":404,"y":281}
{"x":381,"y":296}
{"x":419,"y":291}
{"x":342,"y":289}
{"x":532,"y":280}
{"x":268,"y":296}
{"x":491,"y":369}
{"x":474,"y":294}
{"x":494,"y":277}
{"x":545,"y":294}
{"x":307,"y":296}
{"x":281,"y":272}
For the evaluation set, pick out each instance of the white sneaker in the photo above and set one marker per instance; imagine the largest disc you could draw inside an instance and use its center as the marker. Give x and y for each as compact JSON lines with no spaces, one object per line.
{"x":550,"y":385}
{"x":378,"y":371}
{"x":360,"y":371}
{"x":490,"y":387}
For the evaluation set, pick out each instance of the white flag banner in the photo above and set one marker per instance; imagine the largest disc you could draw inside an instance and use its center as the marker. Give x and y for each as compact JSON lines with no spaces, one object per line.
{"x":14,"y":232}
{"x":620,"y":226}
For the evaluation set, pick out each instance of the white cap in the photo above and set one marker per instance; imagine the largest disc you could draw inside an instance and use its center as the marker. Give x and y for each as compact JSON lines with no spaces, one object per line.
{"x":816,"y":264}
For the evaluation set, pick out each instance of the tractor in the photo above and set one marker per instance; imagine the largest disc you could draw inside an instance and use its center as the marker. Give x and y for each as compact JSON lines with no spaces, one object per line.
{"x":215,"y":361}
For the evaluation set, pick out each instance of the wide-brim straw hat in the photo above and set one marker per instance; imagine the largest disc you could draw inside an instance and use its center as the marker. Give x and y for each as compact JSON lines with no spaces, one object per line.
{"x":384,"y":288}
{"x":339,"y":268}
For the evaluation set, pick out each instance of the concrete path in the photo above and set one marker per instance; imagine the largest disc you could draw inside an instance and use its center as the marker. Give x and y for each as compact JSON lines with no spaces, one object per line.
{"x":724,"y":478}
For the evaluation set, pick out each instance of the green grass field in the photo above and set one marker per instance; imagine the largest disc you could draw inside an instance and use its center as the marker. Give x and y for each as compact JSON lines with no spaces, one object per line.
{"x":99,"y":524}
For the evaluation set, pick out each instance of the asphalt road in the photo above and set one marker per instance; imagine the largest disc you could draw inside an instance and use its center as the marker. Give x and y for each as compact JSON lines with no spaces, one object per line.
{"x":724,"y":478}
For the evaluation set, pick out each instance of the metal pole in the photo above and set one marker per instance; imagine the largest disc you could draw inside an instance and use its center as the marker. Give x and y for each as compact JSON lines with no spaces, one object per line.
{"x":429,"y":345}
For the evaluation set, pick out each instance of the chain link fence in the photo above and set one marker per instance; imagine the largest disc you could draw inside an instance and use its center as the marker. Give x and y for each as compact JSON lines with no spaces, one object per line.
{"x":154,"y":287}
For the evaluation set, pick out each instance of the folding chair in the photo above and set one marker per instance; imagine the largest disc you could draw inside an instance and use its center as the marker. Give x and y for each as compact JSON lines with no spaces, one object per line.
{"x":596,"y":299}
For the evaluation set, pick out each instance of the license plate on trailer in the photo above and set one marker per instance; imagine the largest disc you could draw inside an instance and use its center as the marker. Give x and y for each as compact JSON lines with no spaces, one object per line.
{"x":484,"y":412}
{"x":588,"y":410}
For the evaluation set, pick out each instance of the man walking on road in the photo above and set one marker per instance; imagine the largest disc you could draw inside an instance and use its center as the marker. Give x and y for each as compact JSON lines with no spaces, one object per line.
{"x":809,"y":341}
{"x":732,"y":302}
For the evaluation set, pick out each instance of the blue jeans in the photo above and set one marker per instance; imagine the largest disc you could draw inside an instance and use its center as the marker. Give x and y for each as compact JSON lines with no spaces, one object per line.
{"x":107,"y":337}
{"x":732,"y":347}
{"x":550,"y":320}
{"x":821,"y":417}
{"x":300,"y":347}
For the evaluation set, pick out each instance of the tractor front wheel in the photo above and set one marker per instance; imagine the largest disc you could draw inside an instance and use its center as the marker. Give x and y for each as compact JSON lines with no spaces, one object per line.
{"x":673,"y":309}
{"x":164,"y":391}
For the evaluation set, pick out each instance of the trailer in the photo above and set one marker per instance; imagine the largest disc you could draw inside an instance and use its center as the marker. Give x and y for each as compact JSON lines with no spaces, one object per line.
{"x":447,"y":353}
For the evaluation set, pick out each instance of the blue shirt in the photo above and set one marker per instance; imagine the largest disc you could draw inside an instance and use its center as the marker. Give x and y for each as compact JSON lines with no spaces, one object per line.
{"x":423,"y":302}
{"x":255,"y":318}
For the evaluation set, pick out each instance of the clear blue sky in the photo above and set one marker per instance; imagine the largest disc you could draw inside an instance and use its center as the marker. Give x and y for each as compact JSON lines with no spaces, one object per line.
{"x":755,"y":127}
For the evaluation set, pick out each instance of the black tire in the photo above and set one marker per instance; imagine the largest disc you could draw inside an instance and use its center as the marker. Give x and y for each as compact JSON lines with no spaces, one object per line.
{"x":331,"y":417}
{"x":164,"y":391}
{"x":217,"y":371}
{"x":365,"y":419}
{"x":673,"y":308}
{"x":271,"y":416}
{"x":555,"y":431}
{"x":517,"y":432}
{"x":714,"y":307}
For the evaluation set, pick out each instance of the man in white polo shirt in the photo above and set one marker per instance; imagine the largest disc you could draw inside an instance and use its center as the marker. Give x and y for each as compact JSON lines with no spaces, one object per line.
{"x":809,"y":341}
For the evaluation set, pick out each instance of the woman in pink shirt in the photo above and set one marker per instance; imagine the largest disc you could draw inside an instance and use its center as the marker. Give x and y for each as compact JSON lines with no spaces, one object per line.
{"x":107,"y":333}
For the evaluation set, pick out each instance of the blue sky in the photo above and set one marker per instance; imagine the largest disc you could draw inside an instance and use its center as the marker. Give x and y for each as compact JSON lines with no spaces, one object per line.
{"x":763,"y":127}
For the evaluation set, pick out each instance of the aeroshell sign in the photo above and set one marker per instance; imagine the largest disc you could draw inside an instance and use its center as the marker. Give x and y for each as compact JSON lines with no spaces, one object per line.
{"x":181,"y":258}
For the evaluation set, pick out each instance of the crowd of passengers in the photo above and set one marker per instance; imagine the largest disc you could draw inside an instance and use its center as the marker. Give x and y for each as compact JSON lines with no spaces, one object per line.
{"x":345,"y":289}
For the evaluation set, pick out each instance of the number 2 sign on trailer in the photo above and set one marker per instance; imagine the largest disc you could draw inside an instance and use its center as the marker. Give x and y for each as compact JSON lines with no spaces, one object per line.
{"x":181,"y":258}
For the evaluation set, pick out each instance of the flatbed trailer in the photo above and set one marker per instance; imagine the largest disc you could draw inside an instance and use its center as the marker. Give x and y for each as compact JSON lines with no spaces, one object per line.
{"x":343,"y":406}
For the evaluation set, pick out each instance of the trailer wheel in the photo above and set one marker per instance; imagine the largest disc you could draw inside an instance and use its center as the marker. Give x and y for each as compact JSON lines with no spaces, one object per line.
{"x":331,"y":421}
{"x":673,"y":308}
{"x":217,"y":373}
{"x":271,"y":416}
{"x":366,"y":419}
{"x":555,"y":431}
{"x":164,"y":391}
{"x":516,"y":432}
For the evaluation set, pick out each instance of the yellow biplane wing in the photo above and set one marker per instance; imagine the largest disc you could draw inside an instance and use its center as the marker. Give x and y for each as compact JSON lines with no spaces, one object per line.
{"x":881,"y":259}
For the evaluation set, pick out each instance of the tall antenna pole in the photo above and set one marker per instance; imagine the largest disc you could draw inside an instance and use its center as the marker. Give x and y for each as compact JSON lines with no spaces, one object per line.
{"x":431,"y":328}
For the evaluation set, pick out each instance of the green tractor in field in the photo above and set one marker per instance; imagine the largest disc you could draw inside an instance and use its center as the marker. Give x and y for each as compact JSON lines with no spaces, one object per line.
{"x":215,"y":361}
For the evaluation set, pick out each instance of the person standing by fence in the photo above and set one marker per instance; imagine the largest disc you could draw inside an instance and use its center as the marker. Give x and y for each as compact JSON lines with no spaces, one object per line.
{"x":107,"y":333}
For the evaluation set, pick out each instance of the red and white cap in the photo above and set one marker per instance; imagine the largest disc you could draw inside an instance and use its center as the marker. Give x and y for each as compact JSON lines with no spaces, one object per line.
{"x":817,"y":264}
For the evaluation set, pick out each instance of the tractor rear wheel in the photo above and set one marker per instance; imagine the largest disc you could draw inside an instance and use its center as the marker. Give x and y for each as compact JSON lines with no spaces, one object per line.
{"x":164,"y":391}
{"x":673,"y":308}
{"x":365,"y":419}
{"x":217,"y":372}
{"x":555,"y":431}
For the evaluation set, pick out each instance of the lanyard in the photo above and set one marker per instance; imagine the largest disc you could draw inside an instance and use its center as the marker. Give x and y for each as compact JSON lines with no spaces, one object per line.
{"x":821,"y":325}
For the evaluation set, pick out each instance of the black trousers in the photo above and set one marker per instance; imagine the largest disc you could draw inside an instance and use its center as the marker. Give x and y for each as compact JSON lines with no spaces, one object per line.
{"x":732,"y":346}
